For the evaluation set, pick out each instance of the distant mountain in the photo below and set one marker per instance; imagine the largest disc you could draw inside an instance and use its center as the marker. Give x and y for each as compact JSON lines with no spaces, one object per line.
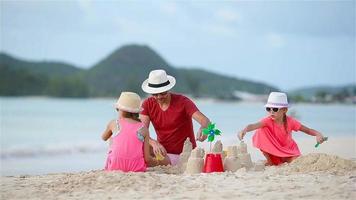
{"x":124,"y":69}
{"x":310,"y":93}
{"x":127,"y":67}
{"x":202,"y":83}
{"x":19,"y":78}
{"x":43,"y":68}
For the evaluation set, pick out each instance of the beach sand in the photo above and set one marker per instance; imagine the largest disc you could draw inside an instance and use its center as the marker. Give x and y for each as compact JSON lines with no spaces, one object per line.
{"x":313,"y":176}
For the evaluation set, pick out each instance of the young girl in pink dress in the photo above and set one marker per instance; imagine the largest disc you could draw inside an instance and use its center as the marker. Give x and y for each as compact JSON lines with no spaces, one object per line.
{"x":129,"y":150}
{"x":273,"y":136}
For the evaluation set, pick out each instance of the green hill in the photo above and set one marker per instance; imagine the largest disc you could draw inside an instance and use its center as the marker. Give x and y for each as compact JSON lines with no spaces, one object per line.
{"x":123,"y":70}
{"x":324,"y":93}
{"x":43,"y":68}
{"x":20,"y":78}
{"x":202,"y":83}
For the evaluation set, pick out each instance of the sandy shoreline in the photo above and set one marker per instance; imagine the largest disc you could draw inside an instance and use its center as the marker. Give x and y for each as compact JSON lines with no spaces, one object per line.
{"x":314,"y":176}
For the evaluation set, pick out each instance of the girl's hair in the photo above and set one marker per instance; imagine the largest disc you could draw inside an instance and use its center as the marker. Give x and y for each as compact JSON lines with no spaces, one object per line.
{"x":134,"y":116}
{"x":285,"y":122}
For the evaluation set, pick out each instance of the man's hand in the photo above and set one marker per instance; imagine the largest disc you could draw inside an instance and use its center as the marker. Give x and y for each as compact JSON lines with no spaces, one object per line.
{"x":203,"y":121}
{"x":158,"y":149}
{"x":200,"y":136}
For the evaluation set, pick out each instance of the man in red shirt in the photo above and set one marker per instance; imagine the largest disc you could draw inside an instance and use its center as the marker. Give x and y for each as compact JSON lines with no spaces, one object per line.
{"x":171,"y":115}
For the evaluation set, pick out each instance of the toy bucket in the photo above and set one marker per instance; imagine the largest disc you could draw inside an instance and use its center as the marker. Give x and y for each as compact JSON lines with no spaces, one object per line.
{"x":213,"y":163}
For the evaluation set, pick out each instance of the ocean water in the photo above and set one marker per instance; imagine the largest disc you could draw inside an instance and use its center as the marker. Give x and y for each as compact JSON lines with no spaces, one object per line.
{"x":49,"y":135}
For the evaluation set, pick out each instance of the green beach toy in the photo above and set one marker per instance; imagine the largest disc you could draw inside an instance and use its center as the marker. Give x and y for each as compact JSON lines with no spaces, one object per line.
{"x":211,"y":131}
{"x":324,"y":139}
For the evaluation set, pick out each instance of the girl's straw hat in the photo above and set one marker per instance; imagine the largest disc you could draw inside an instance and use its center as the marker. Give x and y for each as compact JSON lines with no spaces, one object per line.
{"x":158,"y":81}
{"x":277,"y":100}
{"x":129,"y":102}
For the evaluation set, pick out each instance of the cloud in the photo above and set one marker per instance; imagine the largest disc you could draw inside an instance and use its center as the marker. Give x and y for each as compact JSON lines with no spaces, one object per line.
{"x":126,"y":25}
{"x":224,"y":23}
{"x":170,"y":8}
{"x":88,"y":10}
{"x":276,"y":40}
{"x":219,"y":29}
{"x":227,"y":16}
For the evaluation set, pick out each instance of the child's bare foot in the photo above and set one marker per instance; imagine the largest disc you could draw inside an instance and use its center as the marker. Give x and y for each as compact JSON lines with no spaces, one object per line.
{"x":266,"y":163}
{"x":290,"y":159}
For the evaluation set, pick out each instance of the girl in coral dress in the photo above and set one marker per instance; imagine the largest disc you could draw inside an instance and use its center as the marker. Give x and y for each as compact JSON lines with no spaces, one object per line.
{"x":273,"y":136}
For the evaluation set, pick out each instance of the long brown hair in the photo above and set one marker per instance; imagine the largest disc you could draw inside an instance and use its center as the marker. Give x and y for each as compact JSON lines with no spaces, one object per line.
{"x":285,"y":122}
{"x":134,"y":116}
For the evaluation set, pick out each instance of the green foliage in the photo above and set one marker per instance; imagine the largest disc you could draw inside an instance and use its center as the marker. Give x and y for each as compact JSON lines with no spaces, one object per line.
{"x":50,"y":69}
{"x":297,"y":98}
{"x":20,"y":82}
{"x":67,"y":87}
{"x":124,"y":70}
{"x":324,"y":94}
{"x":202,"y":83}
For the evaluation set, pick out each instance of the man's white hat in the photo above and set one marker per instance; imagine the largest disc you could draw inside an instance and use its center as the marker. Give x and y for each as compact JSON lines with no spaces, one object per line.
{"x":277,"y":100}
{"x":158,"y":81}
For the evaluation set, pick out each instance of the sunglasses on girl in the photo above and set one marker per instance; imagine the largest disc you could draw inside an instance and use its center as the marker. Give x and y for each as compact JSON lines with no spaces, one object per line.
{"x":268,"y":109}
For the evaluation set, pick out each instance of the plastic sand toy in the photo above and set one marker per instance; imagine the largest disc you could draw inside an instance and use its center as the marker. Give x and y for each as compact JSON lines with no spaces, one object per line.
{"x":213,"y":161}
{"x":324,"y":139}
{"x":159,"y":157}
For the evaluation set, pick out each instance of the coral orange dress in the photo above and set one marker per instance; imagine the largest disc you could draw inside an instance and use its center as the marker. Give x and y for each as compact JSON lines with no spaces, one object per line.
{"x":276,"y":140}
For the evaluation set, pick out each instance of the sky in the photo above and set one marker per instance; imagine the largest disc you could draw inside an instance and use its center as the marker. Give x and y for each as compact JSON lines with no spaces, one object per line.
{"x":287,"y":44}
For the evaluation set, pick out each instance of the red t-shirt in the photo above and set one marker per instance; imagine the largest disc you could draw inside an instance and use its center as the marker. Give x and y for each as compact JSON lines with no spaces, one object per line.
{"x":173,"y":125}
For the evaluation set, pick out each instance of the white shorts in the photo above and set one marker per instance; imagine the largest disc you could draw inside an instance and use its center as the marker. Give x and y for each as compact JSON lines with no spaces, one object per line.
{"x":174,"y":158}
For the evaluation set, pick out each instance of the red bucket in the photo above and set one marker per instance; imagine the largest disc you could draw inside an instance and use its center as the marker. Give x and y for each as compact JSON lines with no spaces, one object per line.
{"x":213,"y":163}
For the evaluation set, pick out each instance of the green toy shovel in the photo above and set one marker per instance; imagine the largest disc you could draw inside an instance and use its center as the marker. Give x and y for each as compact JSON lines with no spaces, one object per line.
{"x":324,"y":139}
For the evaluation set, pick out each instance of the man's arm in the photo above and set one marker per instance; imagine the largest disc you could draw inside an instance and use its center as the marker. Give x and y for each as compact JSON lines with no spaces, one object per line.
{"x":146,"y":121}
{"x":156,"y":146}
{"x":203,"y":121}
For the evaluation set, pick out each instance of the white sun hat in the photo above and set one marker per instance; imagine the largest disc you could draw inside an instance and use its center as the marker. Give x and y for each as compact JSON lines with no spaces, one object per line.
{"x":158,"y":81}
{"x":277,"y":100}
{"x":129,"y":102}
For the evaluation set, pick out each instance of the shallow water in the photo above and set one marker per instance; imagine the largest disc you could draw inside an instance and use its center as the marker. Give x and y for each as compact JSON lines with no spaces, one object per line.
{"x":42,"y":135}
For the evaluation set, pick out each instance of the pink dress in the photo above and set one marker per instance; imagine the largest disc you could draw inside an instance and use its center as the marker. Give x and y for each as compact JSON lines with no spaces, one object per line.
{"x":126,"y":151}
{"x":272,"y":138}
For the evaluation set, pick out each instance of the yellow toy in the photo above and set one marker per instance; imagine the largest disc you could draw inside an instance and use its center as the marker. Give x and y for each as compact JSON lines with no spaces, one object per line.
{"x":159,"y":157}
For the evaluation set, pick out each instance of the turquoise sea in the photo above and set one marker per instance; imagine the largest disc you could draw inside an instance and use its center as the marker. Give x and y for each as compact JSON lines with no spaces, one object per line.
{"x":49,"y":135}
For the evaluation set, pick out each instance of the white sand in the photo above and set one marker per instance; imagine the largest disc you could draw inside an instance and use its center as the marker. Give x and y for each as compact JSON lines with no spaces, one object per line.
{"x":316,"y":175}
{"x":344,"y":146}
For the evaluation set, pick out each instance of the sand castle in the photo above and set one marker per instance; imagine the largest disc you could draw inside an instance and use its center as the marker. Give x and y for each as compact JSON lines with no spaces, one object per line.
{"x":195,"y":162}
{"x":236,"y":157}
{"x":218,"y":147}
{"x":184,"y":156}
{"x":231,"y":162}
{"x":244,"y":156}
